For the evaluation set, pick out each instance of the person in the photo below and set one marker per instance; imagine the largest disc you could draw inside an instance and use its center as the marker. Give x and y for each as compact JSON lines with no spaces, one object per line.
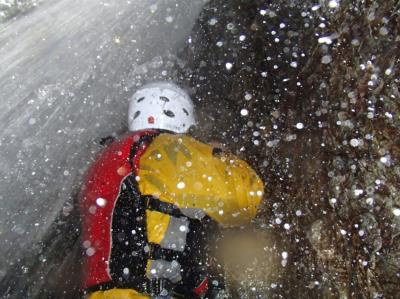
{"x":154,"y":203}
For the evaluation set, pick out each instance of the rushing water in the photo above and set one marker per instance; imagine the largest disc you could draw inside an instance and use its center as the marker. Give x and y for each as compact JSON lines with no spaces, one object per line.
{"x":305,"y":91}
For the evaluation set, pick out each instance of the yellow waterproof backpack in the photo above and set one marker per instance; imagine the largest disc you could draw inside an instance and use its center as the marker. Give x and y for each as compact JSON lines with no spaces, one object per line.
{"x":192,"y":175}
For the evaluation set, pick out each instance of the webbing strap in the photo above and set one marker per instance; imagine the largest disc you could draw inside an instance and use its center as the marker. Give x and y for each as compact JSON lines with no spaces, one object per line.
{"x":156,"y":252}
{"x":154,"y":204}
{"x":150,"y":202}
{"x":143,"y":285}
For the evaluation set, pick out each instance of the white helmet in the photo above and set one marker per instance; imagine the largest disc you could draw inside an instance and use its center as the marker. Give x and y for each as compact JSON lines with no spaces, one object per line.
{"x":161,"y":105}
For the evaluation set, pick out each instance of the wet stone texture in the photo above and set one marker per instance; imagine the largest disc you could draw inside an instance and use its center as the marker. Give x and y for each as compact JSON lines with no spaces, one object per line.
{"x":308,"y":93}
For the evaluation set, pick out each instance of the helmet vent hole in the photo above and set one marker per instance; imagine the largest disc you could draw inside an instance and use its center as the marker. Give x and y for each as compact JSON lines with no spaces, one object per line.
{"x":137,"y":113}
{"x":164,"y":99}
{"x":169,"y":113}
{"x":139,"y":100}
{"x":186,"y":112}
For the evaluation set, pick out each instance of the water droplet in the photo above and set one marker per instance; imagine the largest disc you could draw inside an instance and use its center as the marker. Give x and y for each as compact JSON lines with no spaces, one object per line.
{"x":101,"y":202}
{"x":333,"y":4}
{"x":326,"y":59}
{"x":396,"y":212}
{"x":90,"y":251}
{"x":181,"y":185}
{"x":325,"y":40}
{"x":358,"y":192}
{"x":383,"y":31}
{"x":354,"y":142}
{"x":212,"y":21}
{"x":248,"y":97}
{"x":228,"y":66}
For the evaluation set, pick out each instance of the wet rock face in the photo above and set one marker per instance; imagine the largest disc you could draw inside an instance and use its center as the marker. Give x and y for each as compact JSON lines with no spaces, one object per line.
{"x":308,"y":94}
{"x":11,"y":8}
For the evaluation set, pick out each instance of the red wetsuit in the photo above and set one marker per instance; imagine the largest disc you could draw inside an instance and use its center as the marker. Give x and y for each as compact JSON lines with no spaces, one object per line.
{"x":97,"y":199}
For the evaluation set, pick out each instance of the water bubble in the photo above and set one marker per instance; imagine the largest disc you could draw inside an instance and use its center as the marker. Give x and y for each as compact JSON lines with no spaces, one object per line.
{"x":86,"y":244}
{"x":325,"y":40}
{"x":354,"y":142}
{"x":169,"y":19}
{"x":230,"y":26}
{"x":244,"y":112}
{"x":314,"y":8}
{"x":101,"y":202}
{"x":333,"y":4}
{"x":369,"y":201}
{"x":326,"y":59}
{"x":358,"y":192}
{"x":153,"y":8}
{"x":248,"y":97}
{"x":212,"y":21}
{"x":383,"y":31}
{"x":228,"y":65}
{"x":384,"y":160}
{"x":181,"y":185}
{"x":90,"y":251}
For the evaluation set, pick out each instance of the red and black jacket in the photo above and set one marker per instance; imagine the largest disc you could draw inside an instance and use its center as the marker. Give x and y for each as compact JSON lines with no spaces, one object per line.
{"x":112,"y":209}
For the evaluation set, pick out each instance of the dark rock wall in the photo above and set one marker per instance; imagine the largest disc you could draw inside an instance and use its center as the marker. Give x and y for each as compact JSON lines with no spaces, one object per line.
{"x":308,"y":94}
